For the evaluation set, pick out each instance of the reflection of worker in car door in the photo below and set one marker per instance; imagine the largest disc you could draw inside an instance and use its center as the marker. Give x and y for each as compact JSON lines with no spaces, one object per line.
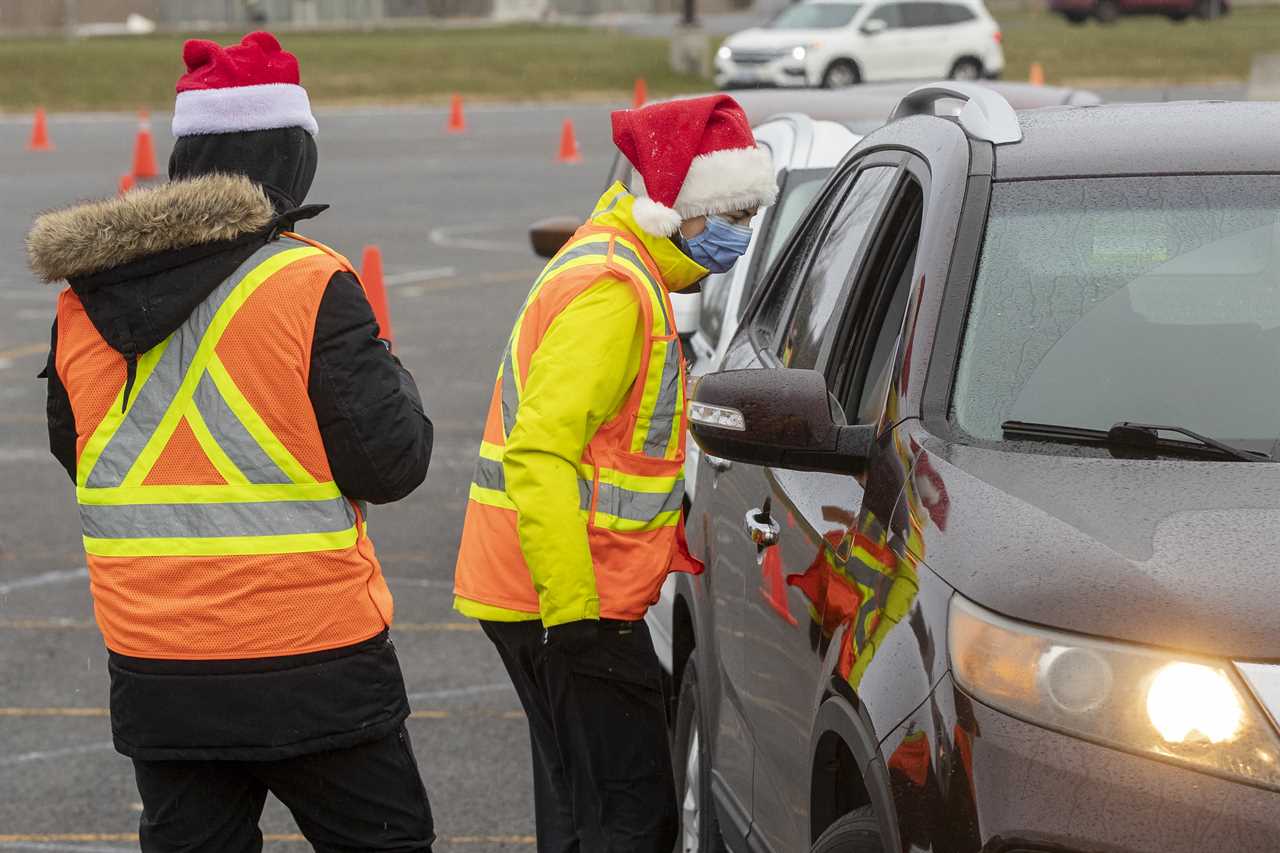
{"x":574,"y":517}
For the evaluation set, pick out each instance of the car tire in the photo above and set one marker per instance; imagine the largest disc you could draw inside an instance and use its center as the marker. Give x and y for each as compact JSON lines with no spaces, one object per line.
{"x":1178,"y":17}
{"x":1107,"y":11}
{"x":856,"y":832}
{"x":841,"y":74}
{"x":1076,"y":18}
{"x":966,"y":68}
{"x":699,"y":830}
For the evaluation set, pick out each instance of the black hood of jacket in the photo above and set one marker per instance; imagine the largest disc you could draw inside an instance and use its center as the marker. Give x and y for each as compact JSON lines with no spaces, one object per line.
{"x":281,"y":161}
{"x":142,"y":262}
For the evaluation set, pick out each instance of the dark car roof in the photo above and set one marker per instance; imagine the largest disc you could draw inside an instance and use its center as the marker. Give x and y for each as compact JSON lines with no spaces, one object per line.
{"x":868,"y":106}
{"x":1120,"y":139}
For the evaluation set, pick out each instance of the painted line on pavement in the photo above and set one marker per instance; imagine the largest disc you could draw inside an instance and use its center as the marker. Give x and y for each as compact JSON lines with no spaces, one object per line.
{"x":44,"y":579}
{"x":23,"y":454}
{"x":449,"y":237}
{"x":418,"y":276}
{"x":55,"y":712}
{"x":25,"y":350}
{"x":59,"y":848}
{"x":55,"y":624}
{"x":64,"y":752}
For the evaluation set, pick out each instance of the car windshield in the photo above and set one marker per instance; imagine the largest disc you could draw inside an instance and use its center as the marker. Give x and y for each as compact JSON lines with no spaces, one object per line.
{"x":1148,"y":299}
{"x":814,"y":16}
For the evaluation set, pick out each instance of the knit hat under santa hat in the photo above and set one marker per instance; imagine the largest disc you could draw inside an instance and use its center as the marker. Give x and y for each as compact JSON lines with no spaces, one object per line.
{"x":253,"y":85}
{"x":694,"y":157}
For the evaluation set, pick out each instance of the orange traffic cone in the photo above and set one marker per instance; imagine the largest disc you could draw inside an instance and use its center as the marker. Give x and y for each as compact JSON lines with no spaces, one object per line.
{"x":375,"y":290}
{"x":569,"y":152}
{"x":641,"y":94}
{"x":457,"y":123}
{"x":144,"y":153}
{"x":40,"y":133}
{"x":126,"y":183}
{"x":1036,"y":77}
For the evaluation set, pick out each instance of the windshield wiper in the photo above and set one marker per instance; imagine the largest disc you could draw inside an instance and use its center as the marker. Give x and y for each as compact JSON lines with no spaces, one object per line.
{"x":1128,"y":434}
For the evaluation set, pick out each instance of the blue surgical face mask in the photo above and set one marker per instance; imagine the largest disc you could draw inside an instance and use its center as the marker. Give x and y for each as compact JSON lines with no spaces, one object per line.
{"x":720,"y":244}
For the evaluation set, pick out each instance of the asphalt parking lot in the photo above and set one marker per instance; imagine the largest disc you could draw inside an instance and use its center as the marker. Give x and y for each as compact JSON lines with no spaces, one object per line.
{"x":449,"y":213}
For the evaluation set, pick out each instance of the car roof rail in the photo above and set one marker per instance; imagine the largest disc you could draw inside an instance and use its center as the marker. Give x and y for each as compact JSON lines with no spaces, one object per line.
{"x":985,"y":115}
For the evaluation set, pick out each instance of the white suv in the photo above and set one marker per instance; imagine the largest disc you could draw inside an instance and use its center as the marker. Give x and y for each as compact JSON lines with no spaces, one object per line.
{"x":836,"y":43}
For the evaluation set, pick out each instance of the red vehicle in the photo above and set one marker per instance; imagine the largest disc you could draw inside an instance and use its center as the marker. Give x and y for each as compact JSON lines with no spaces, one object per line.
{"x":1107,"y":11}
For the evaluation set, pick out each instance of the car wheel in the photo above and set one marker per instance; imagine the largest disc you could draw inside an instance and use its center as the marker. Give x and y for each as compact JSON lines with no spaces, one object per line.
{"x":856,"y":832}
{"x":966,"y":69}
{"x":1107,"y":12}
{"x":841,"y":74}
{"x":1076,"y":18}
{"x":699,"y":832}
{"x":1178,"y":17}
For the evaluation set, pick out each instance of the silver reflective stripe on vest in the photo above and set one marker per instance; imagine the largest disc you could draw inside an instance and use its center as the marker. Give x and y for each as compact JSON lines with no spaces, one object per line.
{"x":620,"y":250}
{"x":156,"y":395}
{"x":232,"y":436}
{"x":214,"y":520}
{"x":510,"y":397}
{"x":638,"y":506}
{"x":658,"y":436}
{"x":490,"y":475}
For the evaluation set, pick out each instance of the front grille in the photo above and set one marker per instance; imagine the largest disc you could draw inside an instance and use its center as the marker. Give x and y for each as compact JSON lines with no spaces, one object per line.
{"x":756,"y":57}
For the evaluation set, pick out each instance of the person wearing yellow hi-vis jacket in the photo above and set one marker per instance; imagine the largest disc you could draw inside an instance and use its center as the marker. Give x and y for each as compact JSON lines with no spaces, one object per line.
{"x":575,"y":511}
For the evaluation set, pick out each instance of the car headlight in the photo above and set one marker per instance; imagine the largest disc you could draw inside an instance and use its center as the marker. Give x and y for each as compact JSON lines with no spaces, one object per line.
{"x":799,"y":52}
{"x":725,"y":52}
{"x":1193,"y":711}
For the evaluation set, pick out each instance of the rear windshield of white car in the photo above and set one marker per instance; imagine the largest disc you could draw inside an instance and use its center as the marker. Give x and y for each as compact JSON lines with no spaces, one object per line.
{"x":1145,"y":299}
{"x":814,"y":16}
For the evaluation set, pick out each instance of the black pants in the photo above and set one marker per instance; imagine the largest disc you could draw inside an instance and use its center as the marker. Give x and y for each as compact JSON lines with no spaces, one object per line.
{"x":366,"y":797}
{"x":602,"y":779}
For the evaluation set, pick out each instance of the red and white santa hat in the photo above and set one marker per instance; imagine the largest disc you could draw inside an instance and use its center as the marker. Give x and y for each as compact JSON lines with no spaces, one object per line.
{"x":253,"y":85}
{"x":693,"y":157}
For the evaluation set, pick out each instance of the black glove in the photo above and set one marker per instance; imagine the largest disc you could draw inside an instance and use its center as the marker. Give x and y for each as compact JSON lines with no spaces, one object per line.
{"x":573,"y":637}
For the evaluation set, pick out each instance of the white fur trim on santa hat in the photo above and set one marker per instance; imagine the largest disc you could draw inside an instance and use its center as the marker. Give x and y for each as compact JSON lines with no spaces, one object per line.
{"x":657,"y":219}
{"x":728,"y":180}
{"x":238,"y":108}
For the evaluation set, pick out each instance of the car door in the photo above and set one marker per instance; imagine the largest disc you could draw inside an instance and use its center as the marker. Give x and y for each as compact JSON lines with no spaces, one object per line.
{"x":783,"y":615}
{"x":725,"y":493}
{"x":882,"y":53}
{"x":930,"y":39}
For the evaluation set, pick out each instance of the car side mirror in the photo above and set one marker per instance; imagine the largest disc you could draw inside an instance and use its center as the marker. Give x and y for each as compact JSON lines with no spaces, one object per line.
{"x":781,"y":418}
{"x":548,"y":235}
{"x":874,"y":26}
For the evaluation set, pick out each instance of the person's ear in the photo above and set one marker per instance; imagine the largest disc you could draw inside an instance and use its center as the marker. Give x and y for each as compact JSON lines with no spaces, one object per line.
{"x":693,"y":226}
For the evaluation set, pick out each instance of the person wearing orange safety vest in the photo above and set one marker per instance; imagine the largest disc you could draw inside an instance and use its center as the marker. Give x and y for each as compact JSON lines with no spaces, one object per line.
{"x":220,"y":397}
{"x":575,"y":511}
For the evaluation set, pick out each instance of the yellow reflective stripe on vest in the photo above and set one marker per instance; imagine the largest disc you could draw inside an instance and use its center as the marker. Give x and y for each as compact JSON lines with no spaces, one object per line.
{"x":270,"y":504}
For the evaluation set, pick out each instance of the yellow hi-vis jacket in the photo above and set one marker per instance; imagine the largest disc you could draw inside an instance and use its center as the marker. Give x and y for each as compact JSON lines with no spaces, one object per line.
{"x":579,"y":378}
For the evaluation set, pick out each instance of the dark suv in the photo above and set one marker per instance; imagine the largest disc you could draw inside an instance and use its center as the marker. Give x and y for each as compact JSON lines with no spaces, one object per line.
{"x":986,"y":501}
{"x":1109,"y":11}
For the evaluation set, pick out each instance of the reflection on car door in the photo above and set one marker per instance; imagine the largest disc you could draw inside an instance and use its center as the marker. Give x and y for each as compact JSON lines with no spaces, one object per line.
{"x":725,"y":493}
{"x":814,"y":579}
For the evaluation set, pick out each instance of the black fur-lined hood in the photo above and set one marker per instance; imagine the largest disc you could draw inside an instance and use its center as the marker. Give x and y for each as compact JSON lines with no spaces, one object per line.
{"x":104,"y":235}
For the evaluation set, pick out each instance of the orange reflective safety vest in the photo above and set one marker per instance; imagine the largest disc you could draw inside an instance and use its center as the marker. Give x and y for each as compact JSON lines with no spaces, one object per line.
{"x":212,"y":524}
{"x":630,"y":477}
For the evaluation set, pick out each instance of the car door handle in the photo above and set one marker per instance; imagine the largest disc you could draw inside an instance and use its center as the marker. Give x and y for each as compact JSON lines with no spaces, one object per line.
{"x":762,"y":529}
{"x":717,"y":464}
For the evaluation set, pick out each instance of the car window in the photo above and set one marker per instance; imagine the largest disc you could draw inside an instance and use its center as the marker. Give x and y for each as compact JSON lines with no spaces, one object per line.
{"x":793,"y":260}
{"x":814,"y":16}
{"x":833,"y":262}
{"x":924,"y":15}
{"x":1151,"y":299}
{"x":714,"y":297}
{"x":798,"y":190}
{"x":861,"y":376}
{"x":954,"y":13}
{"x":890,"y":13}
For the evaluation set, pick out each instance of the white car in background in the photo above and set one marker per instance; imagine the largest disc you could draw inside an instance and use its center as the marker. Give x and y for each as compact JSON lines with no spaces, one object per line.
{"x":838,"y":43}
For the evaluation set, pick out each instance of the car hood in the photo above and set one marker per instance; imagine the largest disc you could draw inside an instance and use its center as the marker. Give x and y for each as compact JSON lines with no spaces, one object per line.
{"x":759,"y":37}
{"x":1176,"y":553}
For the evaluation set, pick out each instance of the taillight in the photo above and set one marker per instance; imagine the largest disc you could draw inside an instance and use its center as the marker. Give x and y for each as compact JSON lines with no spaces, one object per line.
{"x":999,"y":37}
